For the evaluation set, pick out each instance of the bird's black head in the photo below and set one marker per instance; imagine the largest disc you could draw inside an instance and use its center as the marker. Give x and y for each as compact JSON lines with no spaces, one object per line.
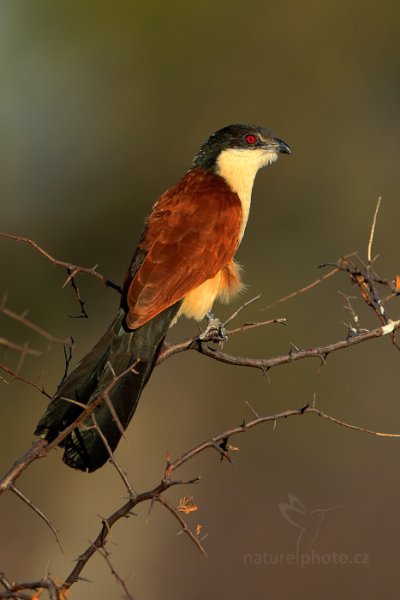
{"x":239,"y":137}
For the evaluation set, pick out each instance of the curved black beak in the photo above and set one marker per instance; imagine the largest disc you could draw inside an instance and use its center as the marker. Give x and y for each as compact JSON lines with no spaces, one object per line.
{"x":282,"y":146}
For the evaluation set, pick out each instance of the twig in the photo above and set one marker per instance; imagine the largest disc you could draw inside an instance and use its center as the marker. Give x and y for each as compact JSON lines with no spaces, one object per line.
{"x":22,"y":319}
{"x":169,"y":350}
{"x":264,"y":364}
{"x":71,"y":279}
{"x":183,"y":524}
{"x":320,"y":352}
{"x":309,"y":286}
{"x":106,"y":555}
{"x":319,"y":413}
{"x":155,"y":494}
{"x":247,"y":326}
{"x":367,"y":281}
{"x":67,"y":359}
{"x":239,"y":310}
{"x":61,"y":263}
{"x":38,"y":450}
{"x":15,"y":590}
{"x":122,"y":512}
{"x":213,"y":443}
{"x":113,"y":460}
{"x":372,"y":233}
{"x":15,"y":375}
{"x":41,"y":448}
{"x":40,"y":513}
{"x":25,"y":349}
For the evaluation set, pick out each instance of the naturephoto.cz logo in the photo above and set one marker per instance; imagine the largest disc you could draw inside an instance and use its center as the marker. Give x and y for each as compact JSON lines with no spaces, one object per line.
{"x":308,"y":524}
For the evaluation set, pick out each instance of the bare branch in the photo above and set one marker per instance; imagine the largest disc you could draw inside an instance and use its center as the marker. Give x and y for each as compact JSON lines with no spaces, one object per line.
{"x":372,"y":233}
{"x":309,"y":286}
{"x":71,"y":268}
{"x":155,"y":494}
{"x":71,"y":279}
{"x":40,"y":513}
{"x":118,"y":578}
{"x":169,"y":350}
{"x":320,"y":352}
{"x":369,"y":284}
{"x":18,"y":377}
{"x":113,"y":460}
{"x":255,"y":325}
{"x":239,"y":310}
{"x":349,"y":426}
{"x":41,"y":448}
{"x":15,"y":590}
{"x":24,"y":321}
{"x":182,"y":522}
{"x":38,"y":450}
{"x":25,"y":349}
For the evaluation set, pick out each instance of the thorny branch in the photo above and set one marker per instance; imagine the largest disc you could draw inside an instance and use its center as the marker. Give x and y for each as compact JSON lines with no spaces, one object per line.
{"x":22,"y":318}
{"x":15,"y":376}
{"x":41,"y":448}
{"x":25,"y":349}
{"x":320,"y":352}
{"x":106,"y":555}
{"x":71,"y":268}
{"x":215,"y":443}
{"x":369,"y":284}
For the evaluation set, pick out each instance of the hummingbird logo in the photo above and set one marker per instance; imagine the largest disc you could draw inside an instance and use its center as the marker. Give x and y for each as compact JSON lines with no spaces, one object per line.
{"x":307,"y":521}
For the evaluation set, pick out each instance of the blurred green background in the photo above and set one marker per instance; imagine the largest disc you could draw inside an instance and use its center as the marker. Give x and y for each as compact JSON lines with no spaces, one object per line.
{"x":102,"y":106}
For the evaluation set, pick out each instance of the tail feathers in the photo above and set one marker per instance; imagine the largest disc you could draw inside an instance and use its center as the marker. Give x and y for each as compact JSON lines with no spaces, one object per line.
{"x":115,"y":353}
{"x":79,"y":385}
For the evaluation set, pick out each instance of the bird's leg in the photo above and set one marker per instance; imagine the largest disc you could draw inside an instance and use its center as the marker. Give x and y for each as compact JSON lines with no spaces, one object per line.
{"x":216,"y":326}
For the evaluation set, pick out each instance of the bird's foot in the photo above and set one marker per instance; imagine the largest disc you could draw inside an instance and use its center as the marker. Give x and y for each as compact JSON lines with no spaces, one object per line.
{"x":215,"y":330}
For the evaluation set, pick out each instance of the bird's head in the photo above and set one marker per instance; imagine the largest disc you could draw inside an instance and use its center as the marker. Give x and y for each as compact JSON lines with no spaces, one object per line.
{"x":248,"y":147}
{"x":236,"y":153}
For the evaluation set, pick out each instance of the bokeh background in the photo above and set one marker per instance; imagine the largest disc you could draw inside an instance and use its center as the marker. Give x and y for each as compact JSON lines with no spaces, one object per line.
{"x":102,"y":106}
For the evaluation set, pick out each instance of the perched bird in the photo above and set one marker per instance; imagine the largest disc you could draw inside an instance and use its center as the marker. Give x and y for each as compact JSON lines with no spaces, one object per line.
{"x":183,"y":262}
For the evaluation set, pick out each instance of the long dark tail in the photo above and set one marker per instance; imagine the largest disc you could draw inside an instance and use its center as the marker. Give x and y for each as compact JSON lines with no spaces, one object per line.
{"x":115,"y":352}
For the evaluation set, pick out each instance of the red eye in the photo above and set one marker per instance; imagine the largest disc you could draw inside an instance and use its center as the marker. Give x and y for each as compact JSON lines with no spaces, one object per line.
{"x":251,"y":139}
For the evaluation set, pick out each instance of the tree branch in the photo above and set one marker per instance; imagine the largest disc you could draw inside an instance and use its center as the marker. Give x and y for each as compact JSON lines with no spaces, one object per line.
{"x":71,"y":268}
{"x":29,"y":325}
{"x":320,"y":352}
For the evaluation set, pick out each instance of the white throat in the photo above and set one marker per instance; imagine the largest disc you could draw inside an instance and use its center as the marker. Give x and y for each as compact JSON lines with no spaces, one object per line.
{"x":239,"y":167}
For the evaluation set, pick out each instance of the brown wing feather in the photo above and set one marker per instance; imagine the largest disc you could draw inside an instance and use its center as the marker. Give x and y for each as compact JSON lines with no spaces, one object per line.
{"x":191,"y":234}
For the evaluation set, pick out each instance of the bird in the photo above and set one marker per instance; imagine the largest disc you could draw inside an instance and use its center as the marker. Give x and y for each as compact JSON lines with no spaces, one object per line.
{"x":184,"y":261}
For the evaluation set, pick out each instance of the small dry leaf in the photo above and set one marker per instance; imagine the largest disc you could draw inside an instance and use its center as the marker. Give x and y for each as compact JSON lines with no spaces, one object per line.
{"x":397,"y":282}
{"x":233,"y":448}
{"x":360,"y":279}
{"x":187,"y":505}
{"x":198,"y":529}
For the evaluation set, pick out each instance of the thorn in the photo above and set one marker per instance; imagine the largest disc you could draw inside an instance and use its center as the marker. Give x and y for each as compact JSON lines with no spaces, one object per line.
{"x":314,"y":399}
{"x":265,"y":373}
{"x":252,"y":409}
{"x":293,"y":348}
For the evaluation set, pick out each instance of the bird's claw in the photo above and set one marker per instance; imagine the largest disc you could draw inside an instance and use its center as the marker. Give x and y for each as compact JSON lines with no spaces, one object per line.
{"x":215,"y":330}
